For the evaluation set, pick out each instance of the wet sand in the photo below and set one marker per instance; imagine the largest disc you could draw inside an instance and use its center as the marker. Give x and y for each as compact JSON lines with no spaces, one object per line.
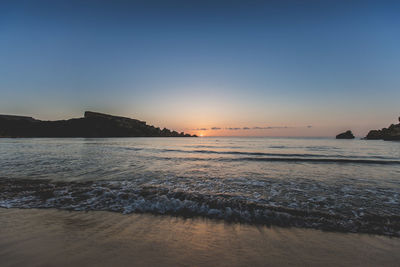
{"x":51,"y":237}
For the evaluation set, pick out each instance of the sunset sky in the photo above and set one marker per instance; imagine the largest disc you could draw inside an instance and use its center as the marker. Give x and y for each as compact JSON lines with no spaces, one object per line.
{"x":278,"y":68}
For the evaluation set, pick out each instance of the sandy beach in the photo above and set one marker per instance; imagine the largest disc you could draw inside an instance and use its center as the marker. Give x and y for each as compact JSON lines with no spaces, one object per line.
{"x":49,"y":237}
{"x":199,"y":133}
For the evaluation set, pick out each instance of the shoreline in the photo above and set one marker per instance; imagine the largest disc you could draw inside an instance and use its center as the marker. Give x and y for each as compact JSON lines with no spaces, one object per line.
{"x":52,"y":237}
{"x":128,"y":198}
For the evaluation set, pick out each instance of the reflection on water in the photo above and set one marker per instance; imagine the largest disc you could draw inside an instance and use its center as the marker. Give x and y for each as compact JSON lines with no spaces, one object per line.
{"x":61,"y":238}
{"x":132,"y":158}
{"x":341,"y":185}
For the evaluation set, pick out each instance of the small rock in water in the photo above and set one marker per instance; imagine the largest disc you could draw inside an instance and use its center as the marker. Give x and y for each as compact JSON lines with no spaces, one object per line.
{"x":346,"y":135}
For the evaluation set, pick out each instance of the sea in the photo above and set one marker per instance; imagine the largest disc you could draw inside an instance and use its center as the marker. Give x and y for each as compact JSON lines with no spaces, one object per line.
{"x":320,"y":183}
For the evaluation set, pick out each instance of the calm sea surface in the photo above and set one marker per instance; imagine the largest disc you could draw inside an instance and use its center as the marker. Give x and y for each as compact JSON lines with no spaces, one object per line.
{"x":340,"y":185}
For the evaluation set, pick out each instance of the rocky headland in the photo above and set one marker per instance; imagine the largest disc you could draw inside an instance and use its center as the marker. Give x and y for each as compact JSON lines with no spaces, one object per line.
{"x":93,"y":124}
{"x":392,"y":133}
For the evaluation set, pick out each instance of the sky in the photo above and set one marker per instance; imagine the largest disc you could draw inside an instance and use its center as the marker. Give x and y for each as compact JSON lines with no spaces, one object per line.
{"x":246,"y":68}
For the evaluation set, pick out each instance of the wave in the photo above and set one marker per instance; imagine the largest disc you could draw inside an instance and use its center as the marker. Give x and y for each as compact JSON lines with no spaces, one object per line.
{"x":212,"y":146}
{"x":287,"y":159}
{"x":325,"y":160}
{"x":125,"y":197}
{"x":245,"y":153}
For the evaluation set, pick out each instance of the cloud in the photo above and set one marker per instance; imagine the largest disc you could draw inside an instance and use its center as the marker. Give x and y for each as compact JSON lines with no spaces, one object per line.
{"x":215,"y":128}
{"x":270,"y":127}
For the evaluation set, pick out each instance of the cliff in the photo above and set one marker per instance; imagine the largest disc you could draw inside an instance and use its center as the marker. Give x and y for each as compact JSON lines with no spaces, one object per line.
{"x":93,"y":124}
{"x":392,"y":133}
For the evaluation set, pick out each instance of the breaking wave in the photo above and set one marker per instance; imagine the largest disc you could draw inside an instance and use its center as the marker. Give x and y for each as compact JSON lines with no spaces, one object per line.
{"x":316,"y":206}
{"x":315,"y":183}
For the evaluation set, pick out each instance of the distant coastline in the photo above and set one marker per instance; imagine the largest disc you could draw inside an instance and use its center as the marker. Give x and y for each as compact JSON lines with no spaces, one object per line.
{"x":93,"y":124}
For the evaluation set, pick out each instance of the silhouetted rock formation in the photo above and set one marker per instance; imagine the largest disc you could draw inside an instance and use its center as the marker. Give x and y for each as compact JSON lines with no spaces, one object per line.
{"x":388,"y":134}
{"x":17,"y":118}
{"x":346,"y":135}
{"x":93,"y":124}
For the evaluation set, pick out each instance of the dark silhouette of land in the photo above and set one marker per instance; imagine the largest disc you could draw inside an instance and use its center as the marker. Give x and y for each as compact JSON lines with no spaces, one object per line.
{"x":392,"y":133}
{"x":346,"y":135}
{"x":93,"y":124}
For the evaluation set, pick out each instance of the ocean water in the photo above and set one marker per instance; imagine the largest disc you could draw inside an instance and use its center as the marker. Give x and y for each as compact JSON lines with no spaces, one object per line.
{"x":337,"y":185}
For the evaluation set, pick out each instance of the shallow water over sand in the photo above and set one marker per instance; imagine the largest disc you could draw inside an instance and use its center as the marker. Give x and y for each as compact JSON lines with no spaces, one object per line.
{"x":339,"y":185}
{"x":61,"y":238}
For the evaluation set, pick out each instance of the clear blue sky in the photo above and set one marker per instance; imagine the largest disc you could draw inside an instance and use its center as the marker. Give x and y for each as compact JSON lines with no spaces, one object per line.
{"x":186,"y":65}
